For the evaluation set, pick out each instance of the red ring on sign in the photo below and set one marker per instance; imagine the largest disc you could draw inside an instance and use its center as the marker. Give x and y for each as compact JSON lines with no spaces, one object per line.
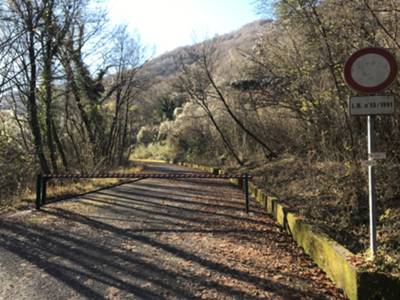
{"x":370,"y":89}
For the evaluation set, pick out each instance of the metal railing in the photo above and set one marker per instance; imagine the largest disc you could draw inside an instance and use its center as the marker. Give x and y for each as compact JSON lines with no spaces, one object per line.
{"x":42,"y":180}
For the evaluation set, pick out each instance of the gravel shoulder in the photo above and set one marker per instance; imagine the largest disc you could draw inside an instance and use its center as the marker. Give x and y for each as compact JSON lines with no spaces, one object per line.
{"x":155,"y":239}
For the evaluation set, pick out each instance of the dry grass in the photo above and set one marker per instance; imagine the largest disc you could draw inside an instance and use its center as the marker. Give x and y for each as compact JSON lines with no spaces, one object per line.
{"x":58,"y":189}
{"x":325,"y":193}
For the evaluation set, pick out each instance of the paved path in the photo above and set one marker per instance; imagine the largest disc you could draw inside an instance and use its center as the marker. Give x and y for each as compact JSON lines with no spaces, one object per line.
{"x":155,"y":239}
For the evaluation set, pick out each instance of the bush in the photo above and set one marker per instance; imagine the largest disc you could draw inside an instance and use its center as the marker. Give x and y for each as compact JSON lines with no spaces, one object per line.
{"x":162,"y":151}
{"x":147,"y":135}
{"x":17,"y":167}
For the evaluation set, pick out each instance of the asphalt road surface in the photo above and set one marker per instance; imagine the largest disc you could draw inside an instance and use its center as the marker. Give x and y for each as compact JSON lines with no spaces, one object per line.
{"x":155,"y":239}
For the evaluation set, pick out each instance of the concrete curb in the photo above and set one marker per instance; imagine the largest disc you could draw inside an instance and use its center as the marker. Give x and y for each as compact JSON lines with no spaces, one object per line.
{"x":330,"y":256}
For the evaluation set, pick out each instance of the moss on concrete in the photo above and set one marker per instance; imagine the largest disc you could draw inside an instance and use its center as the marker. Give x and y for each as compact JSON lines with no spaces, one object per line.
{"x":253,"y":190}
{"x":234,"y":181}
{"x":262,"y":199}
{"x":328,"y":254}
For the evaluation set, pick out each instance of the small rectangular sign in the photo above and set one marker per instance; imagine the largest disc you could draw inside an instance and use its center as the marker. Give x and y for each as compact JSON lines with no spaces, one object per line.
{"x":377,"y":155}
{"x":367,"y":163}
{"x":371,"y":105}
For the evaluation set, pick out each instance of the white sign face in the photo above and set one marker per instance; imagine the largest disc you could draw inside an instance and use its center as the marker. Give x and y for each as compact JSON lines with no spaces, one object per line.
{"x":370,"y":70}
{"x":377,"y":155}
{"x":371,"y":105}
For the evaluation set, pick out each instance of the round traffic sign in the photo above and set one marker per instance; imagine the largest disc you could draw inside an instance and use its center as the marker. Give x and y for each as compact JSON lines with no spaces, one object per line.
{"x":370,"y":70}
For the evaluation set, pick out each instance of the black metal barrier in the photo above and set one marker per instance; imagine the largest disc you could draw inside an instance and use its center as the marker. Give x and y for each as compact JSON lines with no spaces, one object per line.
{"x":41,"y":181}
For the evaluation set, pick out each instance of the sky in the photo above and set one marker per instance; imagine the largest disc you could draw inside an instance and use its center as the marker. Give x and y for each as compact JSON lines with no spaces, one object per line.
{"x":167,"y":24}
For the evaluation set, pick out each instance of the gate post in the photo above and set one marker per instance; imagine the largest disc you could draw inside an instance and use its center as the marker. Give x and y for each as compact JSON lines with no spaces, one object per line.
{"x":246,"y":191}
{"x":39,"y":182}
{"x":241,"y":183}
{"x":44,"y":190}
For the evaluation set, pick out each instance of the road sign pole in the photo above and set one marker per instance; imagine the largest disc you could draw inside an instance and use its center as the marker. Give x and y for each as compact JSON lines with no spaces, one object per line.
{"x":371,"y":71}
{"x":371,"y":187}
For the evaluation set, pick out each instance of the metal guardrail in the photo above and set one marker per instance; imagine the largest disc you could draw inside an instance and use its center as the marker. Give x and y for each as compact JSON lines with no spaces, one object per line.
{"x":42,"y":179}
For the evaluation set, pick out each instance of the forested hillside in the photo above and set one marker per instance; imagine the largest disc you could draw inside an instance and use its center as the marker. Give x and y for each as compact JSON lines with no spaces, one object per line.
{"x":269,"y":98}
{"x":67,"y":86}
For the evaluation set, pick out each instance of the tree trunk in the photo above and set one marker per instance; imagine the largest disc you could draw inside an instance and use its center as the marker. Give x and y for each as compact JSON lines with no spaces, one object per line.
{"x":47,"y":80}
{"x":32,"y":106}
{"x":271,"y":154}
{"x":60,"y":148}
{"x":78,"y":100}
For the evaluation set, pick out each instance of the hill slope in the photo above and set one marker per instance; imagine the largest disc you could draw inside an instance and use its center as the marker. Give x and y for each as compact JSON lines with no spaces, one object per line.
{"x":228,"y":47}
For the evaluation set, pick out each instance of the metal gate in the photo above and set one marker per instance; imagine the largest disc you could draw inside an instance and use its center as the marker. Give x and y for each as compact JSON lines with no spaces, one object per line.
{"x":42,"y":180}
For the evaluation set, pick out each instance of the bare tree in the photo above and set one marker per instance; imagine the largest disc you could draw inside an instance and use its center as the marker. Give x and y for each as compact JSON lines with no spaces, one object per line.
{"x":203,"y":57}
{"x":24,"y":17}
{"x":194,"y":82}
{"x":124,"y":62}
